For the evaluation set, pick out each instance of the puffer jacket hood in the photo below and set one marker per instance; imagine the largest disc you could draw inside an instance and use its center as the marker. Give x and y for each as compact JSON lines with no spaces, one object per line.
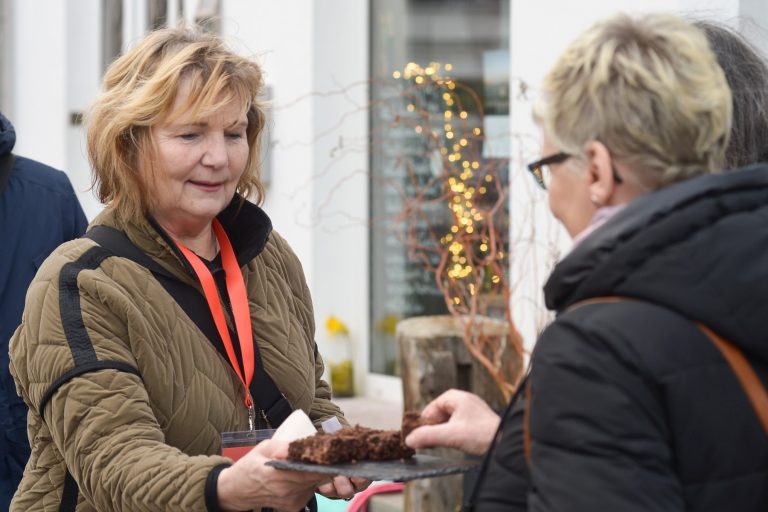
{"x":644,"y":252}
{"x":7,"y":135}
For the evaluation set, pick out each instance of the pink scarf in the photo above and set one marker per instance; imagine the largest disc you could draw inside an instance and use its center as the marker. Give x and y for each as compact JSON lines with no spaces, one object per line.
{"x":601,"y":216}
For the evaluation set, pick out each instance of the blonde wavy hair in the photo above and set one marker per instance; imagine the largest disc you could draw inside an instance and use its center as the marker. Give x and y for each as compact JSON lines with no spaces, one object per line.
{"x":139,"y":91}
{"x":650,"y":89}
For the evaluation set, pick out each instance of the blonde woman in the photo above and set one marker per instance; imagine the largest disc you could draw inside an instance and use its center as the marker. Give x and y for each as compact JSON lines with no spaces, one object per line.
{"x":183,"y":315}
{"x":629,"y":405}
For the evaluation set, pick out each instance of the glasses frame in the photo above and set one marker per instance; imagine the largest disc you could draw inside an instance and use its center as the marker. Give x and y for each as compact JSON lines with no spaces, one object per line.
{"x":535,"y":168}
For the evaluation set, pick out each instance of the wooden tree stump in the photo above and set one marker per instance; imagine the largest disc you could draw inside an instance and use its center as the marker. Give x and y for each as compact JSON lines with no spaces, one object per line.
{"x":433,"y":359}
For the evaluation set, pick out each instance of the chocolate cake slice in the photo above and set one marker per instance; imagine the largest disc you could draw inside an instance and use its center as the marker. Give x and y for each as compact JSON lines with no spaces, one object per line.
{"x":349,"y":445}
{"x":413,"y":420}
{"x":386,"y":445}
{"x":322,"y":448}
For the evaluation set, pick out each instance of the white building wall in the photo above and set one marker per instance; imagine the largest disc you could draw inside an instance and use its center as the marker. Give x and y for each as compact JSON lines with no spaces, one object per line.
{"x":753,"y":16}
{"x":315,"y":56}
{"x":39,"y":80}
{"x":83,"y":77}
{"x":53,"y":72}
{"x":339,"y":207}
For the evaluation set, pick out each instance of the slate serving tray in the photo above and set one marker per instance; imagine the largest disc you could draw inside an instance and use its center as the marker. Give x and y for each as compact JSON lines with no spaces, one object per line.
{"x":419,"y":466}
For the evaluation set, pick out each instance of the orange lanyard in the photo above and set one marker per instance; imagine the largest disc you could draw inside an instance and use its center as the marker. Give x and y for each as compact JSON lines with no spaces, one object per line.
{"x":239,"y":300}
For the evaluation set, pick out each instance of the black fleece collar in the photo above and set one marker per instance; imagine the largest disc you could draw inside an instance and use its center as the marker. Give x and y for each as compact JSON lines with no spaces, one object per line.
{"x":602,"y":262}
{"x":247,"y":226}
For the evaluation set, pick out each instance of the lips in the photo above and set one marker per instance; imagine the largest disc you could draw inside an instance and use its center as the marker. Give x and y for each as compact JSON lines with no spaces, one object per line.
{"x":207,"y":185}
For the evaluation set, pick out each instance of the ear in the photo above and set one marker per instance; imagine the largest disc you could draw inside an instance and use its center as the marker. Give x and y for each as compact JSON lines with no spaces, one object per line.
{"x":600,"y":173}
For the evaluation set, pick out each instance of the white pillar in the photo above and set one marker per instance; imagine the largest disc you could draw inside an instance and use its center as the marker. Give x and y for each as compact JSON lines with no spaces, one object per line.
{"x":339,"y":203}
{"x":39,"y":78}
{"x":83,"y":76}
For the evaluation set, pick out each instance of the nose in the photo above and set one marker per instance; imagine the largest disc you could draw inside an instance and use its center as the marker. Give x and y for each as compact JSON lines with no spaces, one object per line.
{"x":215,"y":155}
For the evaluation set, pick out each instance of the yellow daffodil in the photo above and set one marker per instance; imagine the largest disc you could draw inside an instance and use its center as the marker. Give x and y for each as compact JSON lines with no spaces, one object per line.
{"x":388,"y":324}
{"x":336,"y":327}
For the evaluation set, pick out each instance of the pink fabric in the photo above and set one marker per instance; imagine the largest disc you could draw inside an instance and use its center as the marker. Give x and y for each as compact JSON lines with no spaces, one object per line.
{"x":601,"y":216}
{"x":360,"y":502}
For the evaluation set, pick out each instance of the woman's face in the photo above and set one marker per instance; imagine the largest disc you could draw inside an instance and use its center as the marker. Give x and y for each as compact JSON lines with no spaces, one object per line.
{"x":568,"y":192}
{"x":199,"y":163}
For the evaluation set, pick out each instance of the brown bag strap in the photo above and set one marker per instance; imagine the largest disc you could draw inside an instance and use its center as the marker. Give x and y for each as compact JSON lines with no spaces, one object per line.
{"x":527,"y":424}
{"x":750,"y":382}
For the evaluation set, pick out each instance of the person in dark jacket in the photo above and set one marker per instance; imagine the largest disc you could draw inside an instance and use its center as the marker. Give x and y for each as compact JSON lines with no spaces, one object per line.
{"x":38,"y":212}
{"x":628,"y":405}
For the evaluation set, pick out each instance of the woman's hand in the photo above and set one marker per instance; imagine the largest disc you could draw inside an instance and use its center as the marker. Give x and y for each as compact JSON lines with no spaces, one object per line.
{"x":250,"y":484}
{"x":343,"y":487}
{"x":464,"y":422}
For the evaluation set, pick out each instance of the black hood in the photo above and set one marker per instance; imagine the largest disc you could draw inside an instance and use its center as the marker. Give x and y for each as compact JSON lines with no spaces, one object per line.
{"x":7,"y":135}
{"x":699,"y":247}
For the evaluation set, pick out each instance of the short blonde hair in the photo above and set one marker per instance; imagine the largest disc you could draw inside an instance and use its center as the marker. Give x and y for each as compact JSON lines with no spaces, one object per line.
{"x":647,"y":87}
{"x":140,"y":89}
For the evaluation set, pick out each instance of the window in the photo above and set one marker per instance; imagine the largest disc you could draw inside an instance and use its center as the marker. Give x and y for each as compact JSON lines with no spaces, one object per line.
{"x":112,"y":30}
{"x":439,"y":130}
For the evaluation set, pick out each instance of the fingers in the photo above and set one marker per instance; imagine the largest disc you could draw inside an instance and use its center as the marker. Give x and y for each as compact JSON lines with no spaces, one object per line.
{"x":339,"y":487}
{"x":272,"y":448}
{"x":344,"y":487}
{"x":431,"y":435}
{"x":327,"y":490}
{"x":360,"y":484}
{"x":446,"y":405}
{"x":290,"y":490}
{"x":296,"y":501}
{"x":250,"y":481}
{"x":440,"y":408}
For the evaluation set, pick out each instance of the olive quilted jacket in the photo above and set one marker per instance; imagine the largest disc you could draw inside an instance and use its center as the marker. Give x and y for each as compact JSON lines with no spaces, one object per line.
{"x":127,"y":397}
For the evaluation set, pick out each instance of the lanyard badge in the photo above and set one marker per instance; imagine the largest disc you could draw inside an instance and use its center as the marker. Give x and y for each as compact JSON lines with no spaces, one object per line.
{"x":240,"y":310}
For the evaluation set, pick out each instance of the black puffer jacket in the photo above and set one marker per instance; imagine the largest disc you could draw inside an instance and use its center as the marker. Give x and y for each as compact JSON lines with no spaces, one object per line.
{"x":632,"y":408}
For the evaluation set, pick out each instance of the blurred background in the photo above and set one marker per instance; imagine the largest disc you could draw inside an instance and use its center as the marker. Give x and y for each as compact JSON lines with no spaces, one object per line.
{"x":362,"y":121}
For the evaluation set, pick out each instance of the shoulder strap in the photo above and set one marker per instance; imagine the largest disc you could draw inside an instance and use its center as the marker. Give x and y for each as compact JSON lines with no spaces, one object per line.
{"x":527,"y":425}
{"x":6,"y":165}
{"x":273,"y":404}
{"x":750,"y":382}
{"x":69,"y":494}
{"x":116,"y":242}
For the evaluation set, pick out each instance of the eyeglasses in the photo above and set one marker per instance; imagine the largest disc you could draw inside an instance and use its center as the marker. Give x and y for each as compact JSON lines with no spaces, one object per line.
{"x":541,"y":173}
{"x":540,"y":168}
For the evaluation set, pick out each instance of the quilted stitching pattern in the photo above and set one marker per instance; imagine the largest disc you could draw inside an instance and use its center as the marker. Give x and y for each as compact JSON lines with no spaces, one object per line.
{"x":159,"y":452}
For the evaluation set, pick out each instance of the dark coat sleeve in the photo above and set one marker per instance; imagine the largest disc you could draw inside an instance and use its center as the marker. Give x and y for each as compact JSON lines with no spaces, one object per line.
{"x":504,"y":487}
{"x":599,"y":439}
{"x":39,"y":211}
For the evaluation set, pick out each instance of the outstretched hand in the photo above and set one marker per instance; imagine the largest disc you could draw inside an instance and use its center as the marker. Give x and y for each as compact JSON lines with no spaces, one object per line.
{"x":464,"y":421}
{"x":249,"y":483}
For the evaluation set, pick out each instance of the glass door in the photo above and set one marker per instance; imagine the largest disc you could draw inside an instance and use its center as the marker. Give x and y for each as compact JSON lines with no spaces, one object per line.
{"x":439,"y":139}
